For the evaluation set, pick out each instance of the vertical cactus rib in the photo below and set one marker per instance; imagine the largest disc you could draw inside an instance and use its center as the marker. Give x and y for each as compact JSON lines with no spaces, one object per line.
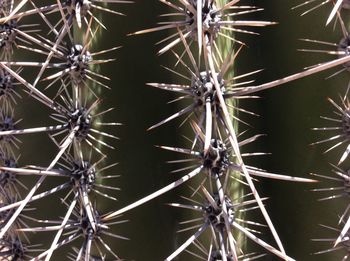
{"x":68,"y":67}
{"x":209,"y":93}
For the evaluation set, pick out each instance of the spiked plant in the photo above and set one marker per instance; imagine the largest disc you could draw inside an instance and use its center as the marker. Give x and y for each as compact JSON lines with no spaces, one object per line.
{"x":206,"y":41}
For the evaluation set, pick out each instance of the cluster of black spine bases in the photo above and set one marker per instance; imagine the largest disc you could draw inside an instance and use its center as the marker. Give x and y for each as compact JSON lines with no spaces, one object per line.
{"x":64,"y":79}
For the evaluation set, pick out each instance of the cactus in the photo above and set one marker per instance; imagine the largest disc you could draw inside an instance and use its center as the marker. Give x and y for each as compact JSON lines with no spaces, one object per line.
{"x":55,"y":60}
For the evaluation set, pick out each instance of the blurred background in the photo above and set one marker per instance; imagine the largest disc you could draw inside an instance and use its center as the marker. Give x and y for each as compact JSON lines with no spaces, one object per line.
{"x":287,"y":114}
